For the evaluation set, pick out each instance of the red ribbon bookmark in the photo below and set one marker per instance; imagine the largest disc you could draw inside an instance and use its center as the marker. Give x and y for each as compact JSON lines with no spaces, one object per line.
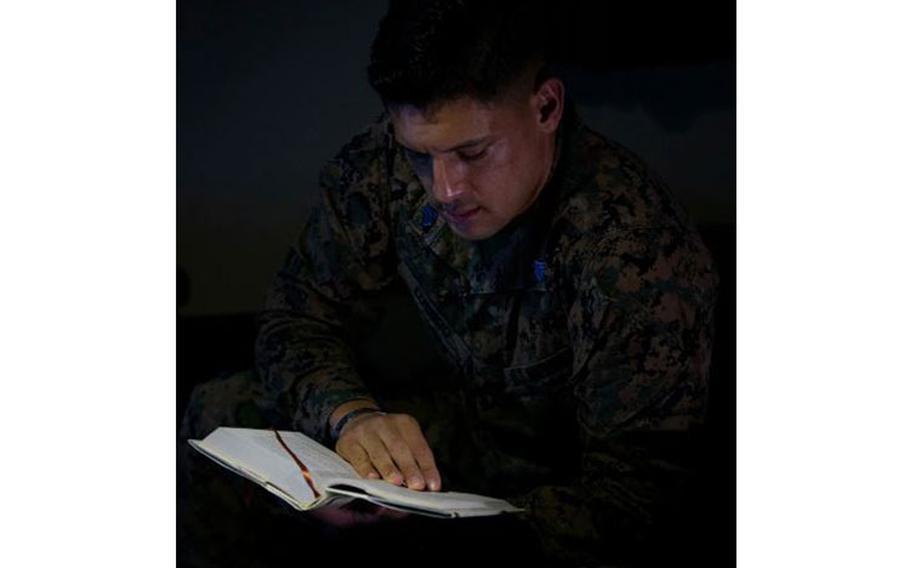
{"x":303,"y":468}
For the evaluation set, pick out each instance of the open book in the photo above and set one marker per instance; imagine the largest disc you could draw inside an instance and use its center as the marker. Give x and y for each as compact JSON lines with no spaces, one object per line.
{"x":308,"y":475}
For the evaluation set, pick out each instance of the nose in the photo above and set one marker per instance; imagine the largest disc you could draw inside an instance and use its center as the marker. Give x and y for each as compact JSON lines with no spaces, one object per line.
{"x":447,"y":184}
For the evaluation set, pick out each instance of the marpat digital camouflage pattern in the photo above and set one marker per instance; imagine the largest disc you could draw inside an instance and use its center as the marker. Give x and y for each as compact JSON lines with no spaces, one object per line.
{"x":581,"y":333}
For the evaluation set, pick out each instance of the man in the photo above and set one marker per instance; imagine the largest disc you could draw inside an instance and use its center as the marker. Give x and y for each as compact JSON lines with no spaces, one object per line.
{"x":567,"y":290}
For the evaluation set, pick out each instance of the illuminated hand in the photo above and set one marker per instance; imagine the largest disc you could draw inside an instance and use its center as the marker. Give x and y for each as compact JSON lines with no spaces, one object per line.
{"x":390,"y":446}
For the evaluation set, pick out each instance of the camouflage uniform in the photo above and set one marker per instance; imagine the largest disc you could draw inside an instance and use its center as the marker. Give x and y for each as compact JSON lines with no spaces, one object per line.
{"x":580,"y":335}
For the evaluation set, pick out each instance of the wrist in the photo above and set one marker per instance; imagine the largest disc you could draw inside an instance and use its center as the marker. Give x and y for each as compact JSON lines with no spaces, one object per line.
{"x":342,"y":409}
{"x":347,"y":416}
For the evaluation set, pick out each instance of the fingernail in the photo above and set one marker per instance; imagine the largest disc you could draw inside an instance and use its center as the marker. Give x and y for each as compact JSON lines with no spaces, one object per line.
{"x":434,"y":485}
{"x":415,"y":482}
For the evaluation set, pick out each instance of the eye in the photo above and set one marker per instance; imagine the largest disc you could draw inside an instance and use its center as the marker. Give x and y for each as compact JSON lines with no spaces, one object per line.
{"x":415,"y":156}
{"x":467,"y":157}
{"x":421,"y":162}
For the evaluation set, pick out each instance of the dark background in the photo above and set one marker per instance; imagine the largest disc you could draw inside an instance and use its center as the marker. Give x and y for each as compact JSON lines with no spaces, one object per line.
{"x":268,"y":91}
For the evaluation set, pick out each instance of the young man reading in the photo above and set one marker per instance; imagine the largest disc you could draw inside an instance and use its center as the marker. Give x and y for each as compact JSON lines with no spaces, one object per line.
{"x":567,"y":290}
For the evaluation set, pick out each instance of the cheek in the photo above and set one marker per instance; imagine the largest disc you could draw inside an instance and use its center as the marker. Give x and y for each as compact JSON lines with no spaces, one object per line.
{"x":494,"y":183}
{"x":488,"y":190}
{"x":502,"y":189}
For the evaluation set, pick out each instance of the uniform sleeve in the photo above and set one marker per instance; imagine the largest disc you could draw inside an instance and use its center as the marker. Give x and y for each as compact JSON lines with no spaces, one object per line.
{"x":303,"y":347}
{"x":641,"y":322}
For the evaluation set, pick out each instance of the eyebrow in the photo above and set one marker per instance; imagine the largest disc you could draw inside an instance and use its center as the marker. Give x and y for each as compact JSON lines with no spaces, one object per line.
{"x":461,"y":146}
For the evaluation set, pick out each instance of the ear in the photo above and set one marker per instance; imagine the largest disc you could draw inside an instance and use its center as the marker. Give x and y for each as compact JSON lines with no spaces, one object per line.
{"x":549,"y":102}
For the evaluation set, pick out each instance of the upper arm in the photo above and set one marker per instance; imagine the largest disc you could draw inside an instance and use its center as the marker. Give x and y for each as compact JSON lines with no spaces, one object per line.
{"x":345,"y":246}
{"x":640,"y":325}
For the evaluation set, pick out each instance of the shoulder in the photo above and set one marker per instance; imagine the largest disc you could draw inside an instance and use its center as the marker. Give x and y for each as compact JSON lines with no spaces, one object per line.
{"x":609,"y":188}
{"x":617,"y":218}
{"x":364,"y":159}
{"x":354,"y":193}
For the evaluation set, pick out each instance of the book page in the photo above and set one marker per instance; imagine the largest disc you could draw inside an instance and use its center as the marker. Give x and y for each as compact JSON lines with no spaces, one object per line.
{"x":358,"y":493}
{"x":259,"y":456}
{"x":450,"y":503}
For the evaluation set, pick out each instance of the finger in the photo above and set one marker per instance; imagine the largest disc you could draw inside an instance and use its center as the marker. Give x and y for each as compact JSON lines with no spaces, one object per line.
{"x":423,"y":455}
{"x":359,"y":459}
{"x":403,"y":458}
{"x":381,"y":459}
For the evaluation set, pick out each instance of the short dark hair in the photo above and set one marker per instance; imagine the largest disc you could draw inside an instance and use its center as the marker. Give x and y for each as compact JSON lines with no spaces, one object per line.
{"x":432,"y":51}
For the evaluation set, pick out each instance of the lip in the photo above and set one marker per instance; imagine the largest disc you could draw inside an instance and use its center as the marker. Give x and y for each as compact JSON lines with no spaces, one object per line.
{"x":462,"y":217}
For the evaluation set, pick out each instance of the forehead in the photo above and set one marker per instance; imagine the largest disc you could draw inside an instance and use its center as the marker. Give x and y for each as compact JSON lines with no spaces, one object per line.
{"x":443,"y":126}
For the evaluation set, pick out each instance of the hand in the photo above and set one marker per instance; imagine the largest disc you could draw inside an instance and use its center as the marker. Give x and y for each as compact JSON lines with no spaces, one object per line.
{"x":390,"y":446}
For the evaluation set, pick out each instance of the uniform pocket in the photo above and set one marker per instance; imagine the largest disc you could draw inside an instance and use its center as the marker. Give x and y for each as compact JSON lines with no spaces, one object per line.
{"x":541,"y":377}
{"x":531,"y":424}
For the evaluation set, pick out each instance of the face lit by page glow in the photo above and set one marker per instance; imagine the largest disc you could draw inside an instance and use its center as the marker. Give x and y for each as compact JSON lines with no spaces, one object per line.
{"x":482,"y":164}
